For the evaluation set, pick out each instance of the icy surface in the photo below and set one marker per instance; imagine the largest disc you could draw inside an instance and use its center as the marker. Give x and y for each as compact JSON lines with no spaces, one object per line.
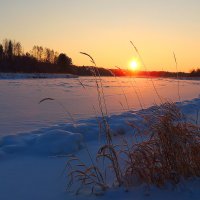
{"x":76,"y":98}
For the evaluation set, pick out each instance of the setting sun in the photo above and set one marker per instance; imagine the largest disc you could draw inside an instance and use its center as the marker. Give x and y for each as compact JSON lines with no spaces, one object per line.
{"x":133,"y":65}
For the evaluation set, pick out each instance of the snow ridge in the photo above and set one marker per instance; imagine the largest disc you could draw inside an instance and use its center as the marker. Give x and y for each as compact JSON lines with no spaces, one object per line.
{"x":69,"y":138}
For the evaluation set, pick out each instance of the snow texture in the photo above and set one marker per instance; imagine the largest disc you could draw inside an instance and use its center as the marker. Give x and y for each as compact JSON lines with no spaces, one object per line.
{"x":69,"y":138}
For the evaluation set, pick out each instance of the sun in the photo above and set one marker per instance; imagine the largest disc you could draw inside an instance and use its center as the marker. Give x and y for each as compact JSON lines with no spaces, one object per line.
{"x":133,"y":65}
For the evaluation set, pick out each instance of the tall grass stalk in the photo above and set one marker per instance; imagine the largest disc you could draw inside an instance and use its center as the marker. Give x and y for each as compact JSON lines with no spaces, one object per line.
{"x":107,"y":150}
{"x":62,"y":106}
{"x":177,"y":72}
{"x":98,"y":79}
{"x":143,"y":63}
{"x":101,"y":97}
{"x":135,"y":90}
{"x":123,"y":92}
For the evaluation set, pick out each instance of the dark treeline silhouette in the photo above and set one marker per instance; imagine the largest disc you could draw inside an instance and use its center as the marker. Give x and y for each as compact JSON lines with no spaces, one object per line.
{"x":195,"y":73}
{"x":39,"y":59}
{"x":121,"y":72}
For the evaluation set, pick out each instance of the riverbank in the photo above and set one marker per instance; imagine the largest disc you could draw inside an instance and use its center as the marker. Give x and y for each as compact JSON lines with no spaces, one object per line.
{"x":4,"y":76}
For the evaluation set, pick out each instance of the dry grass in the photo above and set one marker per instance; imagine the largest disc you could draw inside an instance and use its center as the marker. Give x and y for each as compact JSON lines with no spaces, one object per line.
{"x":92,"y":176}
{"x":145,"y":67}
{"x":84,"y":176}
{"x":170,"y":152}
{"x":179,"y":96}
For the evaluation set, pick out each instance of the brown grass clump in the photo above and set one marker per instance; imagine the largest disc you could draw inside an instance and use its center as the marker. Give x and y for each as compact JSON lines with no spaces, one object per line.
{"x":84,"y":176}
{"x":172,"y":152}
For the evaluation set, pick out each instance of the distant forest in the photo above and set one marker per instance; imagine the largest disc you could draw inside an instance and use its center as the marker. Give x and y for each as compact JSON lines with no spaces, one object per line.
{"x":40,"y":59}
{"x":119,"y":72}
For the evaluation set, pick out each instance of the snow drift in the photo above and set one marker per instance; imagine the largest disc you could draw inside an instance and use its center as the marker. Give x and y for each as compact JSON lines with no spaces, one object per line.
{"x":69,"y":138}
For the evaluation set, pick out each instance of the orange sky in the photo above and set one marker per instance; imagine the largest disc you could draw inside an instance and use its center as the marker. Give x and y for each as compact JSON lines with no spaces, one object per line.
{"x":104,"y":28}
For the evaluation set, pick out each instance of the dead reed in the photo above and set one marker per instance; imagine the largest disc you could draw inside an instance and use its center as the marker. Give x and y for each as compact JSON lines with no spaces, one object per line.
{"x":92,"y":175}
{"x":177,"y":73}
{"x":143,"y":63}
{"x":171,"y":151}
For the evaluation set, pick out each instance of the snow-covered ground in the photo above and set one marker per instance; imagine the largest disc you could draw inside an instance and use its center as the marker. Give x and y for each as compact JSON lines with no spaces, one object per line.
{"x":31,"y":162}
{"x":34,"y":75}
{"x":21,"y":112}
{"x":31,"y":167}
{"x":69,"y":138}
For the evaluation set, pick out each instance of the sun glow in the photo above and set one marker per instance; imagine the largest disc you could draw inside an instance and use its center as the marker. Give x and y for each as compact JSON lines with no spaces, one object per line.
{"x":133,"y":65}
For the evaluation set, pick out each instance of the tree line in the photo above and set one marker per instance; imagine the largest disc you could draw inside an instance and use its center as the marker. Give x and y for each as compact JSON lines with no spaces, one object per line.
{"x":45,"y":60}
{"x":195,"y":72}
{"x":38,"y":59}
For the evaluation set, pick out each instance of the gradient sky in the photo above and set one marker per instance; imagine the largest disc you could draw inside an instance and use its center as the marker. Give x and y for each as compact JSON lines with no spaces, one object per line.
{"x":103,"y":28}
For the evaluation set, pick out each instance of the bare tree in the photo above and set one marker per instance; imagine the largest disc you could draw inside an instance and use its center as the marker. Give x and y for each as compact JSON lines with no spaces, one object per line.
{"x":10,"y":50}
{"x":1,"y":52}
{"x":17,"y":48}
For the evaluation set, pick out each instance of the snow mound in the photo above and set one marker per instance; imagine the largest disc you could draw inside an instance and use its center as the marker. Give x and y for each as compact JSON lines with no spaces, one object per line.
{"x":62,"y":139}
{"x":69,"y":138}
{"x":54,"y":142}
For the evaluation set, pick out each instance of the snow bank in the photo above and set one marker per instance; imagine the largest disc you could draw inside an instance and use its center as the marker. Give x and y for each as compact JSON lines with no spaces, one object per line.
{"x":190,"y":107}
{"x":69,"y":138}
{"x":35,"y":75}
{"x":53,"y":142}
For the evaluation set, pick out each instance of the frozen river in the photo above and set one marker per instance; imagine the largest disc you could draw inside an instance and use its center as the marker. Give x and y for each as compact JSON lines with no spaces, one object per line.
{"x":20,"y":110}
